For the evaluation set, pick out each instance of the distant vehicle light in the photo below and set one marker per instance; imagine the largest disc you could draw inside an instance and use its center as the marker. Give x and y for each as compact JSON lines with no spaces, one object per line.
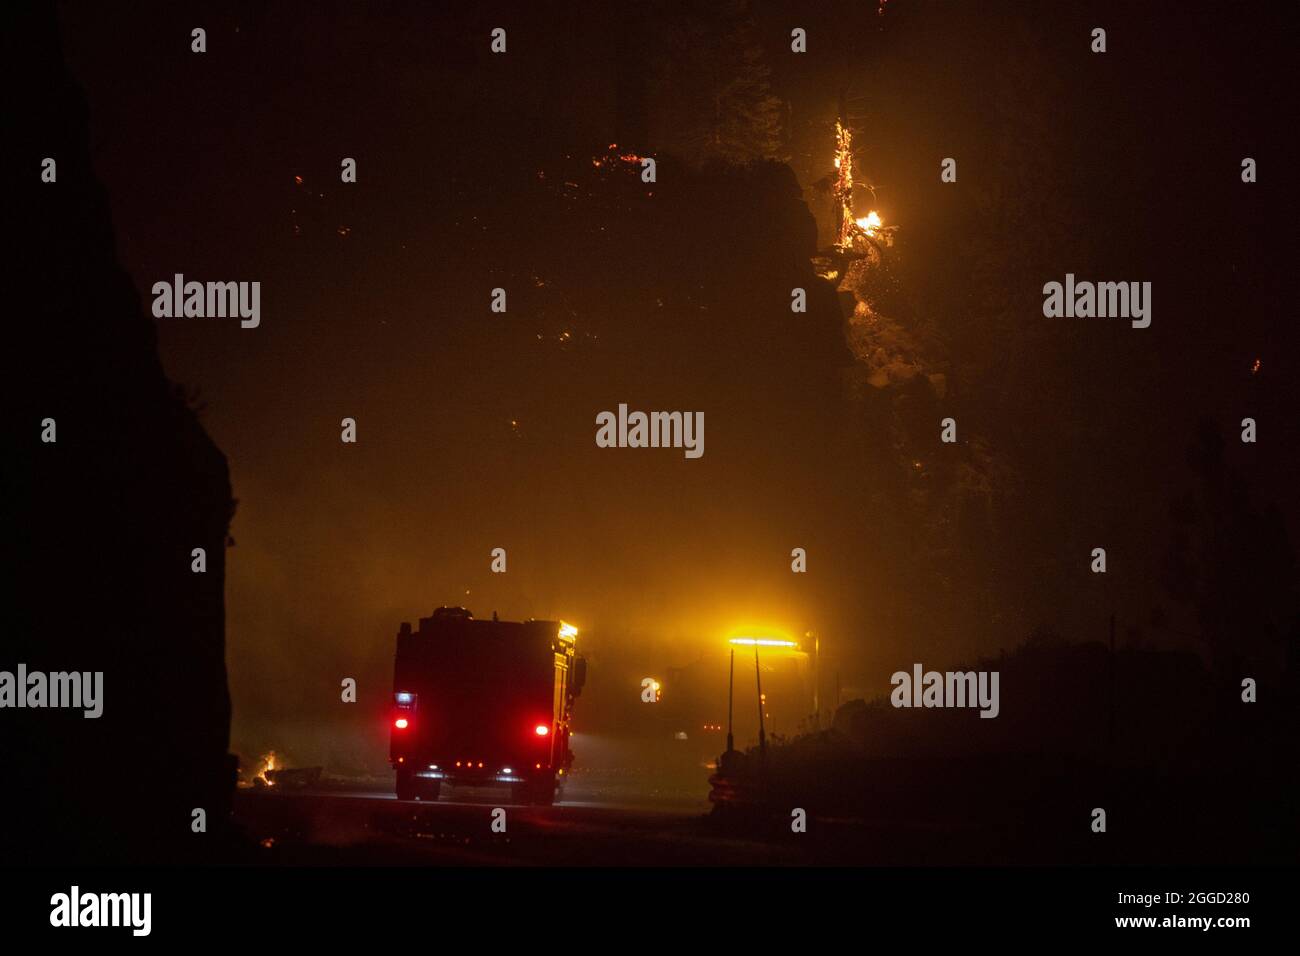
{"x":401,"y":723}
{"x":506,"y":770}
{"x":541,"y":730}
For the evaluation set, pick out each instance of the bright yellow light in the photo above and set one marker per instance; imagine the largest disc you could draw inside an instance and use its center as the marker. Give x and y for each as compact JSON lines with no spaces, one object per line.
{"x":567,"y":631}
{"x":870,"y":223}
{"x":762,"y":642}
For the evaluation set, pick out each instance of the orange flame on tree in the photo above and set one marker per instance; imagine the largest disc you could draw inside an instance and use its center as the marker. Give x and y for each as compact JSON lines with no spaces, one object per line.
{"x":268,"y":764}
{"x":842,"y":190}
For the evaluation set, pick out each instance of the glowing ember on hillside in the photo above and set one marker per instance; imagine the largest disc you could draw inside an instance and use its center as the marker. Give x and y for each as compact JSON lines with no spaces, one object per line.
{"x":613,"y":157}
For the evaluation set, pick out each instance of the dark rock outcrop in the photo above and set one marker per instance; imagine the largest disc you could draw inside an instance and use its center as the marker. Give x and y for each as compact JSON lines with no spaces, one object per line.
{"x":99,"y":525}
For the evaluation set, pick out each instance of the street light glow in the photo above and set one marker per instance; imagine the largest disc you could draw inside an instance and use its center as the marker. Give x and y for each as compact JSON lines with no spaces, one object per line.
{"x":762,"y":642}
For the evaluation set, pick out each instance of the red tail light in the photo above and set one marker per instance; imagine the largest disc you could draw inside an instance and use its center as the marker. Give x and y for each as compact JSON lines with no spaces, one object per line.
{"x":541,"y":730}
{"x":401,"y":723}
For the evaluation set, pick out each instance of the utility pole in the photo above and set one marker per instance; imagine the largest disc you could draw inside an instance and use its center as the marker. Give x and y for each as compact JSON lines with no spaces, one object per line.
{"x":731,"y":696}
{"x":817,"y":679}
{"x":762,"y":735}
{"x":1110,"y":732}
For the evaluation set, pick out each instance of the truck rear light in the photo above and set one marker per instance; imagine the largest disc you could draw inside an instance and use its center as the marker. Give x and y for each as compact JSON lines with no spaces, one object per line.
{"x":401,"y":723}
{"x":541,"y":730}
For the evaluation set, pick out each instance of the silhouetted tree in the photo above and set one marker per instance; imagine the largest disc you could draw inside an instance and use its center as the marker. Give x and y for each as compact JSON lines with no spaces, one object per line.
{"x":714,"y":97}
{"x":1231,"y":561}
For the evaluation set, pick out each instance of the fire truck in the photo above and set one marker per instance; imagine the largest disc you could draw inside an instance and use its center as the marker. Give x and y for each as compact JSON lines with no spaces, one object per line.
{"x":482,"y":704}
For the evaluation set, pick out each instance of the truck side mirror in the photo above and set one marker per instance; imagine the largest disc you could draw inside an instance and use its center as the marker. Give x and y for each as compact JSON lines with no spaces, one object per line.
{"x":579,"y":674}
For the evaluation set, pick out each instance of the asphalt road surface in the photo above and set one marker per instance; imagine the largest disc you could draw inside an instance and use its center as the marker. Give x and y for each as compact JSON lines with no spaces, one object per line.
{"x":362,"y":827}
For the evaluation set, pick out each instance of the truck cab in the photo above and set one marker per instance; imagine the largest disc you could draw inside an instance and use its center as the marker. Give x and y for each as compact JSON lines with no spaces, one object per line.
{"x":483,"y":703}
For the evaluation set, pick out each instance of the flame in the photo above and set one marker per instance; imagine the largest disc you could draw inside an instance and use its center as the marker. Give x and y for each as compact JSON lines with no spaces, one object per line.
{"x":268,"y":764}
{"x":870,"y":223}
{"x":842,"y":190}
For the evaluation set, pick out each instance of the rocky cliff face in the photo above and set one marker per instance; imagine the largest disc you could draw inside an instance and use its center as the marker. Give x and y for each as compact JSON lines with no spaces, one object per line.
{"x":101,"y":523}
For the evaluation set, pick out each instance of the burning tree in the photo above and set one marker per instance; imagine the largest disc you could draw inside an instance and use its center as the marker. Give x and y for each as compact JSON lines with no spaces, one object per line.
{"x":842,"y":189}
{"x":901,"y":381}
{"x":848,"y":227}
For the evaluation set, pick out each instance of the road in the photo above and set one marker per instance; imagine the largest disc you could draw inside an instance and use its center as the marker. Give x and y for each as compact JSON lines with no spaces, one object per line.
{"x":358,"y":827}
{"x":366,"y":827}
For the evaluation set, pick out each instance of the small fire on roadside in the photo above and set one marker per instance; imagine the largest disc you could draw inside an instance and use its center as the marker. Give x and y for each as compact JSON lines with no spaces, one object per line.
{"x":268,"y":763}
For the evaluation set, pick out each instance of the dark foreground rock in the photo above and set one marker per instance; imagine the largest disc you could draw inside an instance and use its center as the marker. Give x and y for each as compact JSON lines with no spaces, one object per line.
{"x":100,"y":525}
